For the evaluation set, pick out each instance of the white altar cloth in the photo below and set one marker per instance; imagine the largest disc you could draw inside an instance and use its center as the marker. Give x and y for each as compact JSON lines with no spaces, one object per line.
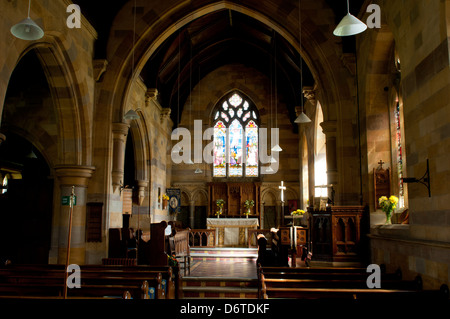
{"x":231,"y":232}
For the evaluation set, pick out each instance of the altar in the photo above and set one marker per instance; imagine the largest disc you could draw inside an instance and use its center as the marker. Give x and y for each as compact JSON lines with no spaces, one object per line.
{"x":231,"y":232}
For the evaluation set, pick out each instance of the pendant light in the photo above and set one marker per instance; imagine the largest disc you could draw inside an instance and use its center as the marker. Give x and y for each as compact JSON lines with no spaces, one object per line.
{"x":277,"y":147}
{"x":349,"y":25}
{"x":131,"y":115}
{"x":27,"y":29}
{"x":302,"y":118}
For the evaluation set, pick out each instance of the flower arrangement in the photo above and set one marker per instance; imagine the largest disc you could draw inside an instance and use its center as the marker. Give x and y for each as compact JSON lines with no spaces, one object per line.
{"x":165,"y":197}
{"x":248,"y":204}
{"x":220,"y":202}
{"x":172,"y":260}
{"x":388,"y":205}
{"x":298,"y":212}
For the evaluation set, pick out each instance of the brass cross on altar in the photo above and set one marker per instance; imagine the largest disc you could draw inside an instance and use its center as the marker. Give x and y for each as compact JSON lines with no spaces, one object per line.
{"x":282,"y":188}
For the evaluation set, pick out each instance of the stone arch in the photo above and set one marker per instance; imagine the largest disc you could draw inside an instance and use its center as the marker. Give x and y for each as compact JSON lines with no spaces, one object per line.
{"x":185,"y":198}
{"x":200,"y":196}
{"x":142,"y":149}
{"x":268,"y":196}
{"x":159,"y":20}
{"x":72,"y":120}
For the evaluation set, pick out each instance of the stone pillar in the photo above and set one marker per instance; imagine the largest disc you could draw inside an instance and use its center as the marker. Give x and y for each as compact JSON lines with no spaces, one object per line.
{"x":2,"y":138}
{"x":68,"y":176}
{"x":191,"y":213}
{"x":120,"y":132}
{"x":329,"y":129}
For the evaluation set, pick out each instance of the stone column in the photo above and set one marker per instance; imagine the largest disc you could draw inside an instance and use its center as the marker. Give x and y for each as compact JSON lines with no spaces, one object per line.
{"x":120,"y":132}
{"x":329,"y":129}
{"x":191,"y":213}
{"x":68,"y":176}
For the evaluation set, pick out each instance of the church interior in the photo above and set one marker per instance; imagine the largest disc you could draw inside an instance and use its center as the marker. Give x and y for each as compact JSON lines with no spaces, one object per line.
{"x":166,"y":133}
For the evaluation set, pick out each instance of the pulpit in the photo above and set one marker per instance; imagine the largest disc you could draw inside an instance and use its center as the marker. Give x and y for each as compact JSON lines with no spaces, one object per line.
{"x":232,"y":232}
{"x":336,"y":233}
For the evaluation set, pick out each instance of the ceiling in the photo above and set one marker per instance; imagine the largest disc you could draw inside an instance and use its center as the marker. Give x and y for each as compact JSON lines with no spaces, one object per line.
{"x":211,"y":41}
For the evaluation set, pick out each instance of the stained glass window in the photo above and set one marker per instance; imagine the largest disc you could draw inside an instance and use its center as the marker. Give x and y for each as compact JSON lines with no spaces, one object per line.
{"x":220,"y":137}
{"x":251,"y":141}
{"x":236,"y":138}
{"x":399,"y":156}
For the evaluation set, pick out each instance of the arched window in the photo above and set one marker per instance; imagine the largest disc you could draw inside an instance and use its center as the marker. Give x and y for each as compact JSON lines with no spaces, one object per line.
{"x":399,"y":137}
{"x":235,"y":138}
{"x":320,"y":157}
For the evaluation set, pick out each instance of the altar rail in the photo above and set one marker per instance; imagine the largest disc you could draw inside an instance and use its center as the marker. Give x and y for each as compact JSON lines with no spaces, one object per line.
{"x":202,"y":238}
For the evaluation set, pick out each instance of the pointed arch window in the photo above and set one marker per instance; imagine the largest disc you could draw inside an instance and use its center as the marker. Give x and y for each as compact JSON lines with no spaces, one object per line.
{"x":236,"y":138}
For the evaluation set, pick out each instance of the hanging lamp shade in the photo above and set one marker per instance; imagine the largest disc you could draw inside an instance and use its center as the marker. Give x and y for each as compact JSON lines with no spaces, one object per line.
{"x":198,"y":171}
{"x":31,"y":155}
{"x":302,"y":119}
{"x":277,"y":148}
{"x":272,"y":160}
{"x":131,"y":115}
{"x":27,"y":29}
{"x":349,"y":25}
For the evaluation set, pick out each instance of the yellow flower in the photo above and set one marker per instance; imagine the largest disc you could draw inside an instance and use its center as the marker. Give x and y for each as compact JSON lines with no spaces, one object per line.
{"x":393,"y":199}
{"x":298,"y":212}
{"x":382,"y":199}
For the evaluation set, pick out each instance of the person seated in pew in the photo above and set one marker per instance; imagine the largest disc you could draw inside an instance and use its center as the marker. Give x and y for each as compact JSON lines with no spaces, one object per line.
{"x":265,"y":256}
{"x":131,"y":244}
{"x":280,"y":252}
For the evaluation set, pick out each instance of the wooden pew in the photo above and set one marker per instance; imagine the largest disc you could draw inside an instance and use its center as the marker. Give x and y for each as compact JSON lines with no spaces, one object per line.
{"x":95,"y":279}
{"x":337,"y":283}
{"x":179,"y":247}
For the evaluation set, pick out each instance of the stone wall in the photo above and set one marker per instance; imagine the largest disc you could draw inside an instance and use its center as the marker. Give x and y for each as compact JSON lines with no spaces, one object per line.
{"x":419,"y":31}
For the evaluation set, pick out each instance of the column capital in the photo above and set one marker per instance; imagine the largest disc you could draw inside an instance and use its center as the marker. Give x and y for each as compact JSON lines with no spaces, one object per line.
{"x":73,"y":175}
{"x":151,"y":94}
{"x":329,"y":127}
{"x":165,"y":114}
{"x":120,"y":129}
{"x":309,"y":92}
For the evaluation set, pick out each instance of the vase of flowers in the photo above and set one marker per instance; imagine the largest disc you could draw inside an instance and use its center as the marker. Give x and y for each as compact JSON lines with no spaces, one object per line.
{"x":297,"y":214}
{"x":219,"y":203}
{"x":165,"y":199}
{"x":388,"y":206}
{"x":248,"y":204}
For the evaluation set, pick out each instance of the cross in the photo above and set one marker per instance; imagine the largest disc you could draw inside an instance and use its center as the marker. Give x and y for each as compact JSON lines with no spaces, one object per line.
{"x":282,"y":188}
{"x":381,"y":163}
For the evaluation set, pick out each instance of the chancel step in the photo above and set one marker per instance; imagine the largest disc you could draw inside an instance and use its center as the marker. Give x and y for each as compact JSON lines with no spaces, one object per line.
{"x":224,"y":254}
{"x":219,"y":287}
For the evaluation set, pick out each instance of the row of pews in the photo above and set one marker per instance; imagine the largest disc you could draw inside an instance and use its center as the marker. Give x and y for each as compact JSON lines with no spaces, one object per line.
{"x":96,"y":281}
{"x":340,"y":283}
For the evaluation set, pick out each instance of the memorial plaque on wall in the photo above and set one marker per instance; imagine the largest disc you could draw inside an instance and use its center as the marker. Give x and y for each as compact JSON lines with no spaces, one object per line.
{"x":174,"y":200}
